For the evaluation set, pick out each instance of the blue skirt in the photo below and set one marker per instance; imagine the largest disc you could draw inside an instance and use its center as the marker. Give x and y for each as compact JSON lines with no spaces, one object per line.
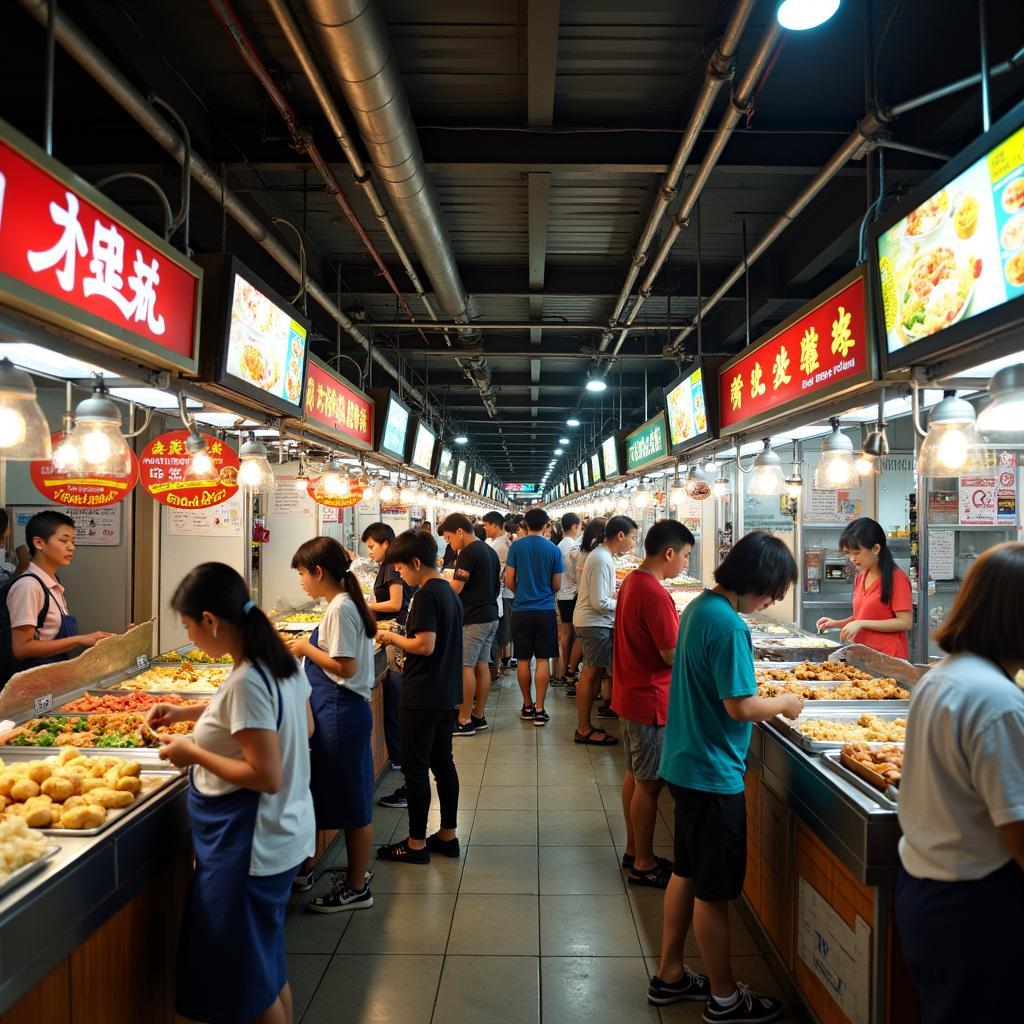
{"x":340,"y":754}
{"x":231,"y":962}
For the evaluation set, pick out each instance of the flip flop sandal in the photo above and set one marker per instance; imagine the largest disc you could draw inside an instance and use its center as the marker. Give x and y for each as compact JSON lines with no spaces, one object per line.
{"x":588,"y":740}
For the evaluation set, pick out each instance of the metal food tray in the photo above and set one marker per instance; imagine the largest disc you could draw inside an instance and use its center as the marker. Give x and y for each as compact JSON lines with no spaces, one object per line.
{"x":164,"y":776}
{"x":880,"y":709}
{"x":831,"y":760}
{"x":296,"y":627}
{"x":831,"y":706}
{"x":112,"y":691}
{"x":26,"y":871}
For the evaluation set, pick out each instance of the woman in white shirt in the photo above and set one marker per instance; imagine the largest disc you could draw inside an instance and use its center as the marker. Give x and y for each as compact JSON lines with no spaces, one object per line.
{"x":252,"y":815}
{"x":339,"y":667}
{"x":960,"y":894}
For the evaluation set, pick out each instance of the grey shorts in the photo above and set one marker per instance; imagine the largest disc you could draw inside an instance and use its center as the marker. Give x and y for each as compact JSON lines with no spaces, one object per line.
{"x":596,"y":642}
{"x":476,"y":642}
{"x":642,"y":746}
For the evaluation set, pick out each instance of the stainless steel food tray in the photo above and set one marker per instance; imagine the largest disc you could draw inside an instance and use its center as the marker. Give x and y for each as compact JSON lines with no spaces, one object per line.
{"x":881,"y":709}
{"x":296,"y":627}
{"x":163,"y":777}
{"x":884,"y":798}
{"x":26,"y":871}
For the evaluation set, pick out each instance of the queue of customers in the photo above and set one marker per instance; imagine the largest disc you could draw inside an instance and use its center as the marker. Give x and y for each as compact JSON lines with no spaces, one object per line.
{"x":281,"y":750}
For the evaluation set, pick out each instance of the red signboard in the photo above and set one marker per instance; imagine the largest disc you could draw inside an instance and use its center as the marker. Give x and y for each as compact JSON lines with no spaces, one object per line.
{"x":337,"y":407}
{"x":68,"y":254}
{"x":354,"y":496}
{"x":164,"y":470}
{"x":823,"y":350}
{"x":81,"y":490}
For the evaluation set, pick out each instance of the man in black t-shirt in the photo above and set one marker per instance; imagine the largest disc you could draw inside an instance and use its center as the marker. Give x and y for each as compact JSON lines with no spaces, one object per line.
{"x":477,"y":580}
{"x":431,"y":687}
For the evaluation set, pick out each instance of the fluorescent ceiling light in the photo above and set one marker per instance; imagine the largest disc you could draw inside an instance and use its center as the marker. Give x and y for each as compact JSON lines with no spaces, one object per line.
{"x":222,"y":419}
{"x":595,"y":385}
{"x":152,"y":397}
{"x":572,"y":422}
{"x":37,"y":359}
{"x":981,"y":370}
{"x":800,"y":15}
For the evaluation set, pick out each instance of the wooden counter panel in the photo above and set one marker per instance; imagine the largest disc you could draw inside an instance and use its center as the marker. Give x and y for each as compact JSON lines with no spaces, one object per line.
{"x":49,"y":1001}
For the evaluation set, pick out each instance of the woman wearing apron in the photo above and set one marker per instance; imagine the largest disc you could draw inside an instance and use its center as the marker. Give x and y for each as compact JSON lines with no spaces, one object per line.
{"x":339,"y":667}
{"x":249,"y":799}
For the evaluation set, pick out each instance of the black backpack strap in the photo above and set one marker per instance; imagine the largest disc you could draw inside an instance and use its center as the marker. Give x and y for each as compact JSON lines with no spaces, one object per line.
{"x":46,"y":596}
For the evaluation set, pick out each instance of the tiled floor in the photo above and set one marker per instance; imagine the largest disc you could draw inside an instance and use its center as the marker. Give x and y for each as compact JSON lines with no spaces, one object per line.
{"x":534,"y":922}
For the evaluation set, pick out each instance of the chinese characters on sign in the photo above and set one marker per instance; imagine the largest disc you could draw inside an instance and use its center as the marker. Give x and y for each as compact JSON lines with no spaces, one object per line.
{"x":828,"y":345}
{"x":339,"y":408}
{"x":81,"y":491}
{"x":647,"y":444}
{"x":164,"y":471}
{"x":64,"y":248}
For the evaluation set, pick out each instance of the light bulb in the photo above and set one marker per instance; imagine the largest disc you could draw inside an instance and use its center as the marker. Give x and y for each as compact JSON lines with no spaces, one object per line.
{"x":202,"y":464}
{"x":677,"y":495}
{"x":864,"y":465}
{"x":249,"y":474}
{"x":800,"y":15}
{"x":839,"y":471}
{"x":720,"y":488}
{"x":387,"y":493}
{"x":369,"y":492}
{"x":301,"y":483}
{"x":953,"y":448}
{"x":95,"y":447}
{"x":794,"y":488}
{"x":12,"y":427}
{"x":66,"y":456}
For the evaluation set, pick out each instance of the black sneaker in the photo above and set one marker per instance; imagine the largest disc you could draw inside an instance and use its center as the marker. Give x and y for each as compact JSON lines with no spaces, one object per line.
{"x":541,"y":717}
{"x":570,"y":689}
{"x":478,"y":723}
{"x":341,"y":897}
{"x":303,"y":883}
{"x":558,"y":681}
{"x":396,"y":799}
{"x":528,"y":711}
{"x":605,"y":711}
{"x":403,"y":853}
{"x":749,"y":1008}
{"x":464,"y":729}
{"x":446,"y":847}
{"x":690,"y":987}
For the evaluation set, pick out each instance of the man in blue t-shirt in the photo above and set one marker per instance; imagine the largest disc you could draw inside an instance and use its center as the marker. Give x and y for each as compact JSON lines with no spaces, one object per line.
{"x":712,"y":703}
{"x":533,"y":572}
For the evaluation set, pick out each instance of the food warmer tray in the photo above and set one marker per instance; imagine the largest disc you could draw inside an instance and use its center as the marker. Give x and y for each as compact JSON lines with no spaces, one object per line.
{"x":28,"y":870}
{"x":879,"y":708}
{"x":900,"y":707}
{"x":886,"y":798}
{"x":295,"y":627}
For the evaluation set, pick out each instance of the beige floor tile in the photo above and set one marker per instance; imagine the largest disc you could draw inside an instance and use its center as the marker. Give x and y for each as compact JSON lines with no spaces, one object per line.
{"x":598,"y":990}
{"x":470,"y":750}
{"x":362,"y":988}
{"x":662,"y":836}
{"x":304,"y":974}
{"x":507,"y":798}
{"x":307,"y":934}
{"x":477,"y":989}
{"x":510,"y":775}
{"x":579,"y":870}
{"x":580,"y":796}
{"x":585,"y":926}
{"x":400,"y":923}
{"x":505,"y":828}
{"x":573,"y":828}
{"x":564,"y":775}
{"x":503,"y":870}
{"x":493,"y":925}
{"x":442,"y":874}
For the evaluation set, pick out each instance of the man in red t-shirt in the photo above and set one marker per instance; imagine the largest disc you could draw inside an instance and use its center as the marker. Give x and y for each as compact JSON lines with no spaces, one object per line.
{"x":646,"y":628}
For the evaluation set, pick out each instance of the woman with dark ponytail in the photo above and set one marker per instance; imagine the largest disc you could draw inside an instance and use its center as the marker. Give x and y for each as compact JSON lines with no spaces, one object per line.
{"x":339,"y":667}
{"x":252,"y":814}
{"x":883,"y":603}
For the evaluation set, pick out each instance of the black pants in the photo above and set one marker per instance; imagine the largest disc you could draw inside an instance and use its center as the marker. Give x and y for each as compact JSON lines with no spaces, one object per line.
{"x":962,"y":942}
{"x":427,"y":746}
{"x":392,"y":734}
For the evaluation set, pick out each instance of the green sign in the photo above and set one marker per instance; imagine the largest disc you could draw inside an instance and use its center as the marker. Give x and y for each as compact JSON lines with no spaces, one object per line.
{"x":647,"y":444}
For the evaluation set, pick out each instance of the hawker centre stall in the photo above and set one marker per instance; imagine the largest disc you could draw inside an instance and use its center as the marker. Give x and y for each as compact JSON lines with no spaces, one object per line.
{"x":916,"y":423}
{"x":172,"y":407}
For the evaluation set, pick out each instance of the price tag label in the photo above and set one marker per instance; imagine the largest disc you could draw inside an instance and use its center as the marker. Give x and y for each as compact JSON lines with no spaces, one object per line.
{"x":142,"y":662}
{"x":43,"y":704}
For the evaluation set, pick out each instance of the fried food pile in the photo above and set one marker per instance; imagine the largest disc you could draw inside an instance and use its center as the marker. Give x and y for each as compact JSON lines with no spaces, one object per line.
{"x":112,"y":702}
{"x":70,"y":790}
{"x":18,"y":846}
{"x":853,"y":683}
{"x":195,"y":655}
{"x":868,"y":727}
{"x":120,"y":729}
{"x":314,"y":617}
{"x":188,"y":678}
{"x":887,"y":762}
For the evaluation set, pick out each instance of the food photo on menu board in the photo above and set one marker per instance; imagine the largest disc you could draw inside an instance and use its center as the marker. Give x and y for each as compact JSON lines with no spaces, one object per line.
{"x":396,"y":427}
{"x":423,"y":449}
{"x":687,"y":413}
{"x":959,"y":253}
{"x":266,"y":347}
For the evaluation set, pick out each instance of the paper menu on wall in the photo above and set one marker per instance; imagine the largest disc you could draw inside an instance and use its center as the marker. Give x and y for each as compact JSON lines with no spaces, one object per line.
{"x":941,"y":554}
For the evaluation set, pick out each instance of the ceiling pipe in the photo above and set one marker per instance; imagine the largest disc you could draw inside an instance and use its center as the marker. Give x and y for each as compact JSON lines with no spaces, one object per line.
{"x":85,"y":52}
{"x":523,"y":325}
{"x":355,"y":40}
{"x":719,"y":70}
{"x":742,"y":103}
{"x":302,"y":141}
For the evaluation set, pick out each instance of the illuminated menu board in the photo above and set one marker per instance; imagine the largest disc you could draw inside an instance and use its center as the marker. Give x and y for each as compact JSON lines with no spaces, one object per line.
{"x":460,"y":474}
{"x":610,"y":454}
{"x":423,"y":448}
{"x":687,"y":410}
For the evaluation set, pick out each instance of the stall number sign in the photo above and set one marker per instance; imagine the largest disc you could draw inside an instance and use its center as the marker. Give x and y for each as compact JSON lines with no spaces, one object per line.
{"x":329,"y":403}
{"x":839,"y":956}
{"x":828,"y":345}
{"x":647,"y":444}
{"x":164,"y":472}
{"x":60,"y":246}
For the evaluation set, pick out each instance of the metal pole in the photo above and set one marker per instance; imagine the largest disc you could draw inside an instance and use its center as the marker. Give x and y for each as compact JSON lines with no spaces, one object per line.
{"x":51,"y":59}
{"x":746,"y":281}
{"x":923,"y":569}
{"x":986,"y":75}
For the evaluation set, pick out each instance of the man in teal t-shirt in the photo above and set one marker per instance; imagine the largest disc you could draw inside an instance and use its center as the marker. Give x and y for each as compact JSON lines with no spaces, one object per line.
{"x":712,"y":703}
